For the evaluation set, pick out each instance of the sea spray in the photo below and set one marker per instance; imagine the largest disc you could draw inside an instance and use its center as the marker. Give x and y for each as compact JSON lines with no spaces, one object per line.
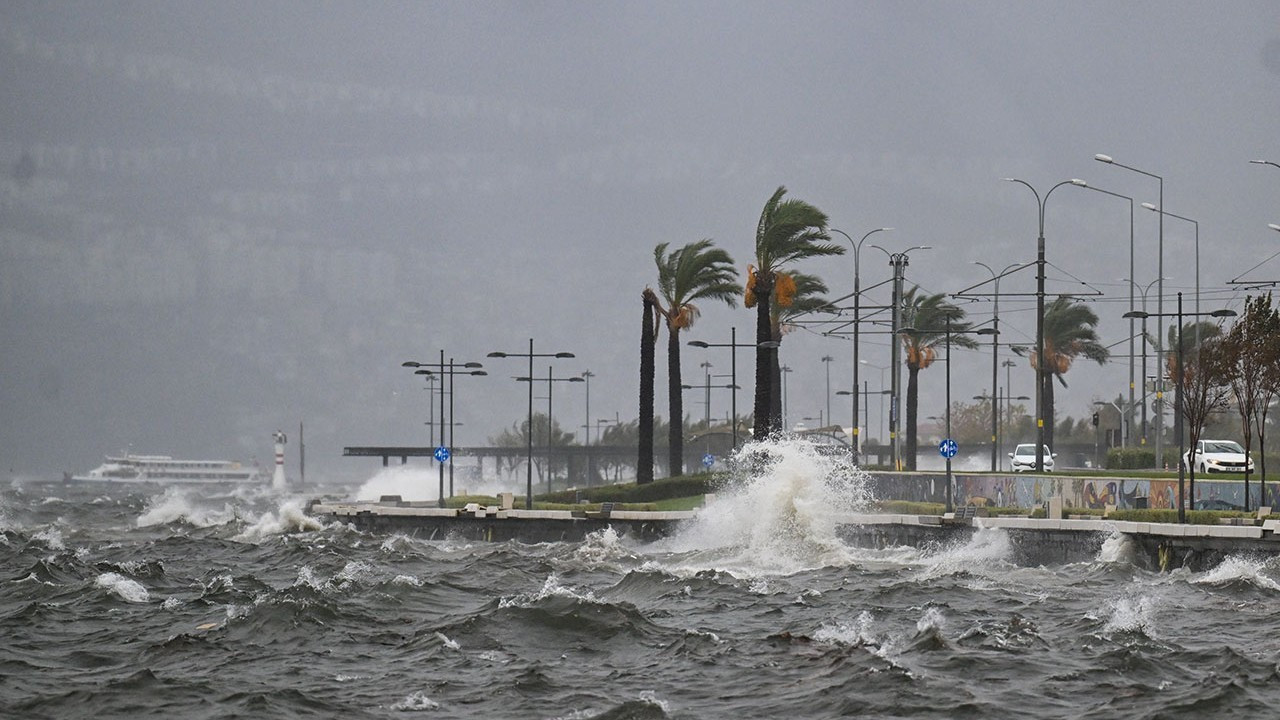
{"x":777,"y":515}
{"x":410,"y":482}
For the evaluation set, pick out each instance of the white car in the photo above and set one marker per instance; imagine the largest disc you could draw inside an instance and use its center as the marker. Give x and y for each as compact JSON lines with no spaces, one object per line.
{"x":1024,"y":458}
{"x":1218,"y":456}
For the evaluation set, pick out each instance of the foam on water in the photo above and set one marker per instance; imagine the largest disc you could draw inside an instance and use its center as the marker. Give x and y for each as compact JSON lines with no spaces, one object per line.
{"x":988,"y":550}
{"x":551,"y":587}
{"x":122,"y":587}
{"x":416,"y":702}
{"x":1133,"y":614}
{"x":1237,"y":568}
{"x":776,"y":517}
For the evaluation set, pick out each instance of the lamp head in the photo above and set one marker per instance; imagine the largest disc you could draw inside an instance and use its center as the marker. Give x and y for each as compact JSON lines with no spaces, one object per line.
{"x":472,"y":365}
{"x":1150,"y":206}
{"x":496,"y":354}
{"x":565,"y":355}
{"x":698,"y":344}
{"x":1223,"y":313}
{"x":1103,"y":158}
{"x":410,"y":363}
{"x":1274,"y":226}
{"x":1079,"y":183}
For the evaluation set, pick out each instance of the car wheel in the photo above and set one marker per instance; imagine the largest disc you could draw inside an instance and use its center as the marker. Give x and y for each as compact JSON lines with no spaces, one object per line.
{"x":1202,"y":469}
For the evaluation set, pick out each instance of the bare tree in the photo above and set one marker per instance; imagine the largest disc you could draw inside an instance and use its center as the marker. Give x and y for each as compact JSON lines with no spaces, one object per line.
{"x":1245,"y":348}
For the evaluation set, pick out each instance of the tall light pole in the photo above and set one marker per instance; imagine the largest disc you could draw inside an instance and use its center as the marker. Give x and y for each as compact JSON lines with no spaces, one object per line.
{"x":881,"y":368}
{"x":1040,"y":263}
{"x":1087,"y":186}
{"x":733,"y":369}
{"x":1159,"y":299}
{"x":528,"y":500}
{"x":551,"y":380}
{"x":784,"y":371}
{"x":1153,"y":208}
{"x":857,"y":317}
{"x":1143,"y":401}
{"x":440,"y":370}
{"x":995,"y":360}
{"x":949,"y":330}
{"x":826,"y":360}
{"x":898,"y":261}
{"x":586,"y":429}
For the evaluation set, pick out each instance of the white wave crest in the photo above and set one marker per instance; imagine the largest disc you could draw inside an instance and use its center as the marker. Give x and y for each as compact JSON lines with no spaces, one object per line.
{"x":451,"y":644}
{"x":51,"y":538}
{"x":551,"y":587}
{"x":1117,"y":548}
{"x":1251,"y":570}
{"x":416,"y":702}
{"x":175,"y":504}
{"x":779,"y":514}
{"x":291,"y":518}
{"x":856,"y":633}
{"x":1134,"y":614}
{"x":987,"y":550}
{"x":123,"y":587}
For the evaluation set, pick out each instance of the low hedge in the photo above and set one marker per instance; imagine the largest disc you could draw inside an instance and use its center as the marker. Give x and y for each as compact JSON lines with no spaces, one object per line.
{"x":664,"y":489}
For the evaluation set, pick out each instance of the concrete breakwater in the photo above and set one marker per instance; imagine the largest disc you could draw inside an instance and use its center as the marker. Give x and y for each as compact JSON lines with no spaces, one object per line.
{"x":1032,"y":541}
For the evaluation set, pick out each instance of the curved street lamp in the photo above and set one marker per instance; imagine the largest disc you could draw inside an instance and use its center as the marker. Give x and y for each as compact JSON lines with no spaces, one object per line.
{"x":857,"y":316}
{"x":438,"y":371}
{"x":1040,"y":204}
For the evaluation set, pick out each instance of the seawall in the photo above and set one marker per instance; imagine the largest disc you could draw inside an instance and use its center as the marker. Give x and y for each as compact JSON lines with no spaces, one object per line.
{"x":1154,"y":546}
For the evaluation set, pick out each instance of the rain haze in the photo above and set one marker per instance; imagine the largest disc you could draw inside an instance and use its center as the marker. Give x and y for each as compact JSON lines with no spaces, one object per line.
{"x":222,"y":219}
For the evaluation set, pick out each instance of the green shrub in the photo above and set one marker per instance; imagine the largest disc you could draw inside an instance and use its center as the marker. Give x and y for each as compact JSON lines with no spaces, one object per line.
{"x":1139,"y":458}
{"x":664,"y":489}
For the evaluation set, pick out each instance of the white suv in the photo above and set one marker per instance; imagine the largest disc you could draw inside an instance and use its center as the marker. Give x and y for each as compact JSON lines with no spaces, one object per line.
{"x":1218,"y":456}
{"x":1024,"y":458}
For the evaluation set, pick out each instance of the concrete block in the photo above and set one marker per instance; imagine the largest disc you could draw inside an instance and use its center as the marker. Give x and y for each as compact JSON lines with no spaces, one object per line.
{"x":1054,"y":511}
{"x":1271,"y":526}
{"x":506,"y":500}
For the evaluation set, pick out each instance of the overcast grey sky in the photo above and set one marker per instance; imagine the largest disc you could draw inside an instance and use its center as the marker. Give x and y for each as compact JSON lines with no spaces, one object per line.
{"x":220,"y":218}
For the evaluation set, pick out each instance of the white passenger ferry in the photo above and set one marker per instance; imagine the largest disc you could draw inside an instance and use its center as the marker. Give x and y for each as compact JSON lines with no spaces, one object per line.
{"x":162,"y":469}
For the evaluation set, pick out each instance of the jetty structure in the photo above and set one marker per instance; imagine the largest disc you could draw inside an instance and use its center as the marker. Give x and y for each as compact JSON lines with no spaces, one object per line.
{"x":1033,"y":541}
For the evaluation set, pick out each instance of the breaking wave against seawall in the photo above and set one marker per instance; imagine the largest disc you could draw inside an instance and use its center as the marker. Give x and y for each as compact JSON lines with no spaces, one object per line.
{"x":778,"y":512}
{"x":211,"y":604}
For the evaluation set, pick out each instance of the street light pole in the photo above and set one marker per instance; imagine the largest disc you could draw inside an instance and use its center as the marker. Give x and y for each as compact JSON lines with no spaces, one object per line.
{"x":898,"y":261}
{"x":857,"y":318}
{"x":733,"y":369}
{"x":1162,"y":211}
{"x":442,"y":369}
{"x":528,"y":500}
{"x":1159,"y":421}
{"x":1040,"y":360}
{"x":995,"y":359}
{"x":1125,"y":434}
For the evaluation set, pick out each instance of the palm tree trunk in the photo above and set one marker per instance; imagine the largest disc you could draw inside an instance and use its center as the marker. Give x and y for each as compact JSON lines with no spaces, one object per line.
{"x":766,"y":422}
{"x":1047,"y":390}
{"x":644,"y":464}
{"x":913,"y":402}
{"x":675,"y":399}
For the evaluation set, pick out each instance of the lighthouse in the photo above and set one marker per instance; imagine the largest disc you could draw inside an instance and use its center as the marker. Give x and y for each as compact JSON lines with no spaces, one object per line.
{"x":277,"y":480}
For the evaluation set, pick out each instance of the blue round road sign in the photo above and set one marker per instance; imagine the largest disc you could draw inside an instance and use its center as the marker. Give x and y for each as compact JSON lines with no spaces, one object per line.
{"x":442,"y":454}
{"x":708,"y":460}
{"x":948,"y":448}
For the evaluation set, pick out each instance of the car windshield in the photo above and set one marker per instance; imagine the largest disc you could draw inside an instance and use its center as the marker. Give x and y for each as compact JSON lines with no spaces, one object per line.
{"x":1222,"y":446}
{"x":1029,"y":449}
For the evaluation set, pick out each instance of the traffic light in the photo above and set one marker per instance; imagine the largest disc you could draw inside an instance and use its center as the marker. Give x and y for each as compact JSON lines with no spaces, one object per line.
{"x":1095,"y":419}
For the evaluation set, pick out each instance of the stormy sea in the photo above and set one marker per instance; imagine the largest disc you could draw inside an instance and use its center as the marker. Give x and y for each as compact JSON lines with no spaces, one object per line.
{"x":187,"y":603}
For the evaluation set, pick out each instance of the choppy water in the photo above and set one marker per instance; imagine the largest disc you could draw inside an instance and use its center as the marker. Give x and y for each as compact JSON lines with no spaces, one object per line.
{"x":179,"y":606}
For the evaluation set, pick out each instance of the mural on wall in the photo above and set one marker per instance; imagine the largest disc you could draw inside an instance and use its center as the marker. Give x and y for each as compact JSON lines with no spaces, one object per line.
{"x":1030,"y":491}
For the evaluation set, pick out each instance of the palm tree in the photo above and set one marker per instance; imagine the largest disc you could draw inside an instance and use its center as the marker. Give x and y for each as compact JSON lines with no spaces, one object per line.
{"x":698,"y":271}
{"x":930,"y":315}
{"x":648,"y":339}
{"x":1068,"y":334}
{"x":788,"y":230}
{"x":806,"y":298}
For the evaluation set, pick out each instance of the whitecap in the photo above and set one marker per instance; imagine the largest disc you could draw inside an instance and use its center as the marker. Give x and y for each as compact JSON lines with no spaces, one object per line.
{"x":1134,"y":614}
{"x":416,"y":702}
{"x":51,"y":538}
{"x":451,"y":644}
{"x":551,"y":587}
{"x":856,"y":633}
{"x":174,"y":505}
{"x":1235,"y":568}
{"x":291,"y":518}
{"x":406,"y":580}
{"x":123,"y":587}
